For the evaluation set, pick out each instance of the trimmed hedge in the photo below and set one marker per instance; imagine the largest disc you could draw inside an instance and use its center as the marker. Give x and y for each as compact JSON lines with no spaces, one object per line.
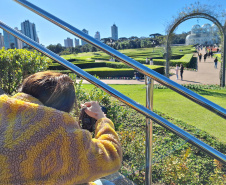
{"x":111,"y":72}
{"x":218,"y":55}
{"x":116,"y":65}
{"x":56,"y":66}
{"x":125,"y":72}
{"x":90,"y":65}
{"x":176,"y":56}
{"x":102,"y":57}
{"x":185,"y":60}
{"x":85,"y":65}
{"x":141,"y":60}
{"x":104,"y":72}
{"x":81,"y":60}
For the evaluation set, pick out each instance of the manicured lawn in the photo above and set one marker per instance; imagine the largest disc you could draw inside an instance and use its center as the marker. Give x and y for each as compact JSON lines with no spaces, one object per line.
{"x":138,"y":54}
{"x":176,"y":106}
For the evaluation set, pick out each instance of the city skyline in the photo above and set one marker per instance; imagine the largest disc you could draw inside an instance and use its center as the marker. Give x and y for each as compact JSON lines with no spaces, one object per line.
{"x":68,"y":42}
{"x":132,"y":17}
{"x":114,"y":32}
{"x":82,"y":41}
{"x":27,"y":28}
{"x":1,"y":40}
{"x":9,"y":40}
{"x":114,"y":35}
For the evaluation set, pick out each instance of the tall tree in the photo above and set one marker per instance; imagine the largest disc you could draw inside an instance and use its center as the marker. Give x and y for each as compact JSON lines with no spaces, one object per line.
{"x":154,"y":35}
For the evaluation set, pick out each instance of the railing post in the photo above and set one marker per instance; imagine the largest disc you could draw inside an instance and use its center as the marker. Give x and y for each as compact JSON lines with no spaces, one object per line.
{"x":149,"y":127}
{"x":223,"y":59}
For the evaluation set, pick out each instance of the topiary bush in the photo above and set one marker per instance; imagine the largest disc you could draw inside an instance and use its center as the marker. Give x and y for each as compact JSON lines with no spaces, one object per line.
{"x":111,"y":72}
{"x":90,"y":64}
{"x":116,"y":65}
{"x":122,"y":72}
{"x":16,"y":64}
{"x":186,"y":60}
{"x":101,"y":57}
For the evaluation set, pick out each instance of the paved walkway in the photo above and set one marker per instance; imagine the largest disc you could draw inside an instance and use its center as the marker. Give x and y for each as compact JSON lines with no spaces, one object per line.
{"x":206,"y":74}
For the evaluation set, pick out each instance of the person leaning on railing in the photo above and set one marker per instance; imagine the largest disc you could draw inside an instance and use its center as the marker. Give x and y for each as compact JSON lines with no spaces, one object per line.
{"x":42,"y":144}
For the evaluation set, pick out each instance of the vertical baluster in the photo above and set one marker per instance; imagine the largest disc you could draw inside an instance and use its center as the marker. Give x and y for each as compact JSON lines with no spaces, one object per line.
{"x":149,"y":133}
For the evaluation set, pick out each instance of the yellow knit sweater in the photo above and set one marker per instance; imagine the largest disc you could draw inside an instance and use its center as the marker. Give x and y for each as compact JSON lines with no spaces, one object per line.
{"x":43,"y":146}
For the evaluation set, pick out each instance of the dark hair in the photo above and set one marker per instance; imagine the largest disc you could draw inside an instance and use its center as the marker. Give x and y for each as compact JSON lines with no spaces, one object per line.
{"x":53,"y":89}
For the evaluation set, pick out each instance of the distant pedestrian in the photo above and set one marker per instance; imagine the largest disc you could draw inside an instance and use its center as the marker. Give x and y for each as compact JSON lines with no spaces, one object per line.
{"x":137,"y":75}
{"x":215,"y":63}
{"x":204,"y":57}
{"x":177,"y":70}
{"x":200,"y":57}
{"x":147,"y":61}
{"x":151,"y":61}
{"x":181,"y":71}
{"x":211,"y":53}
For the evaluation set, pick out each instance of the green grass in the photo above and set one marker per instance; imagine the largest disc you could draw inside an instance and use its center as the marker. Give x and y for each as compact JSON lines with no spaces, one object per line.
{"x":68,"y":56}
{"x":117,"y":69}
{"x":218,"y":55}
{"x":139,"y":54}
{"x":176,"y":106}
{"x":107,"y":69}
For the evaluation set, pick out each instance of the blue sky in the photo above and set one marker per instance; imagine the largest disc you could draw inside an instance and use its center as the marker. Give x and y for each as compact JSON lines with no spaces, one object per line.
{"x":133,"y":17}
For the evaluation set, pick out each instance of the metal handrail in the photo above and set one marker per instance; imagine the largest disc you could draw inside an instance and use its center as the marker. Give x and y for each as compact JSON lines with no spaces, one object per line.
{"x":137,"y":66}
{"x":127,"y":60}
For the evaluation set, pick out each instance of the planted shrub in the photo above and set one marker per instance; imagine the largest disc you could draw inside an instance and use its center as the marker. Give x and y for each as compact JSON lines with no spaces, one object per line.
{"x":16,"y":64}
{"x":122,"y":72}
{"x":90,"y":65}
{"x":185,"y":60}
{"x":101,"y":57}
{"x":117,"y":65}
{"x":111,"y":72}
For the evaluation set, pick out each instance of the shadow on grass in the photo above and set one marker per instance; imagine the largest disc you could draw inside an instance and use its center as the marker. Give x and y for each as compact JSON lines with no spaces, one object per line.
{"x":208,"y":93}
{"x":191,"y":81}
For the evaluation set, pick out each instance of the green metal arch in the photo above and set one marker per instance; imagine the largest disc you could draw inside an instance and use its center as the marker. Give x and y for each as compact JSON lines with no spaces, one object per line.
{"x":191,"y":16}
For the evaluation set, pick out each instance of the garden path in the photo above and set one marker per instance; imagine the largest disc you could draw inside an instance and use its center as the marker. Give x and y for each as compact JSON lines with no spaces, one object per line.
{"x":206,"y":74}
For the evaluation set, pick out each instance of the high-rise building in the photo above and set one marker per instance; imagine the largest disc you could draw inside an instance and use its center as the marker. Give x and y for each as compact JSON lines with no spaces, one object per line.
{"x":97,"y":35}
{"x":1,"y":41}
{"x":29,"y":30}
{"x":76,"y":42}
{"x":68,"y":43}
{"x":19,"y":42}
{"x":10,"y":41}
{"x":85,"y":31}
{"x":114,"y":32}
